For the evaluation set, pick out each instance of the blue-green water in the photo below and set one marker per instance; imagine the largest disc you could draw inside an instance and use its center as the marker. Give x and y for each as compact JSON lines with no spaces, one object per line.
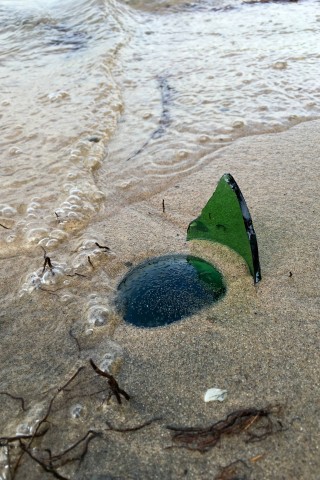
{"x":165,"y":289}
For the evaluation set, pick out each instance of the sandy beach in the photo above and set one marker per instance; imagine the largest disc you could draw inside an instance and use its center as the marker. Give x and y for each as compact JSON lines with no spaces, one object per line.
{"x":260,"y":343}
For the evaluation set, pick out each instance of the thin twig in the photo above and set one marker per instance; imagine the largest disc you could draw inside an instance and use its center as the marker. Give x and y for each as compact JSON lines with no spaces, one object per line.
{"x":101,"y":246}
{"x":113,"y":384}
{"x":74,"y":445}
{"x":76,"y":275}
{"x":16,"y":438}
{"x":15,"y":398}
{"x":41,"y":422}
{"x":72,"y":335}
{"x":132,"y":429}
{"x":46,"y":468}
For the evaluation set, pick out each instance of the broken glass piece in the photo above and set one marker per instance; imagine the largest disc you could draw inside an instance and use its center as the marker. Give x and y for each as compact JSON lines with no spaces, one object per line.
{"x":165,"y":289}
{"x":226,"y":219}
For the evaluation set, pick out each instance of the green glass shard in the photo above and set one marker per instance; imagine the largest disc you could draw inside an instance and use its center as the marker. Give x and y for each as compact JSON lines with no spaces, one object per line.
{"x":226,"y":219}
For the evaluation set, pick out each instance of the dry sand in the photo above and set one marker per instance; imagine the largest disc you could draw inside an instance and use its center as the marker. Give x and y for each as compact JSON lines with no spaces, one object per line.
{"x":260,"y":343}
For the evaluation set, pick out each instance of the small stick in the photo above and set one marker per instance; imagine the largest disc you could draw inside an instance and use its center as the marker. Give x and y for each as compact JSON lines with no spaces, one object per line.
{"x":47,"y":261}
{"x":163,"y":206}
{"x":72,"y":447}
{"x":101,"y":246}
{"x":71,"y":379}
{"x":132,"y":429}
{"x":3,"y":226}
{"x":76,"y":275}
{"x":15,"y":438}
{"x":113,"y":384}
{"x":75,"y":339}
{"x":90,"y":262}
{"x":15,"y":398}
{"x":45,"y":467}
{"x":256,"y":458}
{"x":230,"y":472}
{"x":25,"y":448}
{"x":49,"y":291}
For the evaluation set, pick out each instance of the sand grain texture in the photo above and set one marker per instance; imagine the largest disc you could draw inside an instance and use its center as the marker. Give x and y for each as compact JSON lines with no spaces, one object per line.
{"x":260,"y":343}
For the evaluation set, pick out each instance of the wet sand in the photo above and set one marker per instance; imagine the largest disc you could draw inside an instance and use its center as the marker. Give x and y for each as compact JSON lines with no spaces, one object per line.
{"x":260,"y":343}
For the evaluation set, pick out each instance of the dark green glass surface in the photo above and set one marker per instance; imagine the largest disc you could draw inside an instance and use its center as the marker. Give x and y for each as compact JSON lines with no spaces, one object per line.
{"x":226,"y":219}
{"x":165,"y":289}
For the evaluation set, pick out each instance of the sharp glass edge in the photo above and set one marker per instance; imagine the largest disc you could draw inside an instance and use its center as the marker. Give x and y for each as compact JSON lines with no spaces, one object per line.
{"x":248,"y":226}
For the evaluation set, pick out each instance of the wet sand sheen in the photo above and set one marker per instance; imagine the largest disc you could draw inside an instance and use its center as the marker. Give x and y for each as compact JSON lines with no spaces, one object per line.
{"x":259,"y":343}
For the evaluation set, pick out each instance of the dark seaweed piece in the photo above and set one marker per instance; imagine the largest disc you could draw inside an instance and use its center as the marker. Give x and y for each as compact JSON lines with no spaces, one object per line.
{"x":25,"y":448}
{"x":132,"y":429}
{"x":234,"y":471}
{"x":47,"y":261}
{"x":54,"y":461}
{"x":113,"y":384}
{"x":3,"y":226}
{"x":72,"y":335}
{"x":101,"y":246}
{"x":52,"y":292}
{"x":165,"y":118}
{"x":90,"y":435}
{"x":226,"y":219}
{"x":203,"y":439}
{"x":60,"y":389}
{"x":163,"y":206}
{"x":15,"y":438}
{"x":21,"y":399}
{"x":46,"y":467}
{"x":94,"y":139}
{"x":75,"y":274}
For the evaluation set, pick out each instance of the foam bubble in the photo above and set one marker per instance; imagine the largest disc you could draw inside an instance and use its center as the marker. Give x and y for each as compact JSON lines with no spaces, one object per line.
{"x":98,"y":315}
{"x":113,"y":353}
{"x":4,"y":463}
{"x":7,"y":211}
{"x":50,"y":277}
{"x":36,"y":234}
{"x":76,"y":411}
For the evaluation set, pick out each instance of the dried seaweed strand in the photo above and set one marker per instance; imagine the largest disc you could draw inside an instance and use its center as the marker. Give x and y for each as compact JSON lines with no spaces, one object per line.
{"x":47,"y":261}
{"x":75,"y":339}
{"x":112,"y":382}
{"x":132,"y":429}
{"x":46,"y":467}
{"x":15,"y":398}
{"x":76,"y":275}
{"x":102,"y":247}
{"x":204,"y":438}
{"x":41,"y":422}
{"x":231,"y":471}
{"x":16,"y":438}
{"x":90,"y":433}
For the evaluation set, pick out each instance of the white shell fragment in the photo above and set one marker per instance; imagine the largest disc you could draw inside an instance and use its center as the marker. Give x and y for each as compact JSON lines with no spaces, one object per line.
{"x":215,"y":394}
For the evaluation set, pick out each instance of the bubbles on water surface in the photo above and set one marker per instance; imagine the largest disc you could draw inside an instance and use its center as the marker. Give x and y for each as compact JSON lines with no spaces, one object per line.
{"x":76,"y":411}
{"x":113,"y":354}
{"x":98,"y":315}
{"x":47,"y":277}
